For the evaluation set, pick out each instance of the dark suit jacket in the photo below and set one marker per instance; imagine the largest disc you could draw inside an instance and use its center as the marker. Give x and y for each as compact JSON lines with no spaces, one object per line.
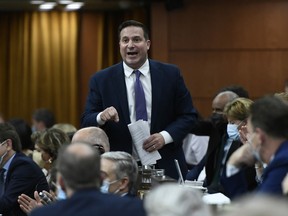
{"x":23,"y":176}
{"x":92,"y":202}
{"x":172,"y":110}
{"x":275,"y":172}
{"x":272,"y":176}
{"x":248,"y":174}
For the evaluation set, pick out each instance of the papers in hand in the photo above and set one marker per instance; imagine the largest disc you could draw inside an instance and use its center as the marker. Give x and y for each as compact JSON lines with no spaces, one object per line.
{"x":140,"y":132}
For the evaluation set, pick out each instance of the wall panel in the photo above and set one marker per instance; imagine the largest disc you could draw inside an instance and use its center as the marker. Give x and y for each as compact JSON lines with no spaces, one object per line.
{"x":220,"y":43}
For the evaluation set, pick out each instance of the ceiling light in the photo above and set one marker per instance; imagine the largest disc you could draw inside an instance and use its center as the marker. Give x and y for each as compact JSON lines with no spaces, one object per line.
{"x":74,"y":6}
{"x":47,"y":6}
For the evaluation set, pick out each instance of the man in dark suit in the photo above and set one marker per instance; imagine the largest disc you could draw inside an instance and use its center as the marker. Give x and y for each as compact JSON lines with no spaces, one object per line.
{"x":112,"y":105}
{"x":215,"y":127}
{"x":79,"y":175}
{"x":18,"y":173}
{"x":267,"y":143}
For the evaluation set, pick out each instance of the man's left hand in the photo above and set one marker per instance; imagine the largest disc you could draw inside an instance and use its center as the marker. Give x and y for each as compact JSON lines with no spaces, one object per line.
{"x":154,"y":142}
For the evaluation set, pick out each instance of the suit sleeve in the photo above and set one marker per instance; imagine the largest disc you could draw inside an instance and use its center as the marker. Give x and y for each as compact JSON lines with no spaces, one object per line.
{"x":93,"y":105}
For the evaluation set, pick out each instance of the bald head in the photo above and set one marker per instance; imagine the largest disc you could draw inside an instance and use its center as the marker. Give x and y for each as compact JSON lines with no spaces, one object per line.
{"x":221,"y":100}
{"x":80,"y":150}
{"x":79,"y":165}
{"x":92,"y":135}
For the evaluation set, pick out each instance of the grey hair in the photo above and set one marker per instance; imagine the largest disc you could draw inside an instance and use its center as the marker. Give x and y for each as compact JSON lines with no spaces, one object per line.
{"x":125,"y":166}
{"x":172,"y":199}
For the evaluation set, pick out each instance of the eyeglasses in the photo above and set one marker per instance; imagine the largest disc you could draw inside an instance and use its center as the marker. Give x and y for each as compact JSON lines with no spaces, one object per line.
{"x":100,"y":148}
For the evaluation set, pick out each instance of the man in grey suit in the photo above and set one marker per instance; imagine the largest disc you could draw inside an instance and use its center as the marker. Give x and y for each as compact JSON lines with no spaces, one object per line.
{"x":79,"y":176}
{"x":112,"y":102}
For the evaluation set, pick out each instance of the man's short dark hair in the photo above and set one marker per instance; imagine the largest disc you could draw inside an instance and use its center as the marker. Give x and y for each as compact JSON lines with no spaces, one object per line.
{"x":271,"y":115}
{"x":44,"y":115}
{"x":24,"y":131}
{"x":79,"y":171}
{"x":136,"y":24}
{"x":7,"y":131}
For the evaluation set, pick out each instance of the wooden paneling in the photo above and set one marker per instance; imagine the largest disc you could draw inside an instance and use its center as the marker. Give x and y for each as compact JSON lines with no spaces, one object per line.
{"x":219,"y":43}
{"x":234,"y":24}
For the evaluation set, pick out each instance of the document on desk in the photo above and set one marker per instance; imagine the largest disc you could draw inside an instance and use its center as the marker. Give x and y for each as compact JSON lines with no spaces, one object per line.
{"x":140,"y":132}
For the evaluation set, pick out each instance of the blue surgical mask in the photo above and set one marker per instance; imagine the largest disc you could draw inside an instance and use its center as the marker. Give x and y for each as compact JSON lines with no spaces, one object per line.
{"x":61,"y":195}
{"x":232,"y":131}
{"x":105,"y":186}
{"x":33,"y":128}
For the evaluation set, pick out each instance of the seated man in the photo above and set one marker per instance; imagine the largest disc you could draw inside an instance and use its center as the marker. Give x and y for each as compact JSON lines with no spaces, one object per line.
{"x":78,"y":168}
{"x":92,"y":136}
{"x":18,"y":173}
{"x":267,"y":143}
{"x":119,"y":170}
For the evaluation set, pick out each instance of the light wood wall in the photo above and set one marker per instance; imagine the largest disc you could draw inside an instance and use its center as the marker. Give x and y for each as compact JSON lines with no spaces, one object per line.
{"x":218,"y":43}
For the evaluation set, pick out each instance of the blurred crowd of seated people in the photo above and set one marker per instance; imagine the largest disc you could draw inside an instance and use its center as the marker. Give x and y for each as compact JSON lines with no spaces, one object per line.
{"x":247,"y":145}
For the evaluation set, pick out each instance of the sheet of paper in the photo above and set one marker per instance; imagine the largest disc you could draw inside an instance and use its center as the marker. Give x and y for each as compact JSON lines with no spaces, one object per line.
{"x":140,"y":132}
{"x":217,"y":198}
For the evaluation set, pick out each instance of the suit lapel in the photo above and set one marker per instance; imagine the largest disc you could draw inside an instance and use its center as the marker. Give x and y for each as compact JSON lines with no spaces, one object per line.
{"x":121,"y":92}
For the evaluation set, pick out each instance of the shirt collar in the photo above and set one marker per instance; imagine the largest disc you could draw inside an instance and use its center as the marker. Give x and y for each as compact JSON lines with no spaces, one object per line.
{"x":144,"y":69}
{"x":7,"y":164}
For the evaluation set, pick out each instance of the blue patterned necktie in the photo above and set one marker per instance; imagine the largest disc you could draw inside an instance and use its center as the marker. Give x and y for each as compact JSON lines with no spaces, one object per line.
{"x":2,"y":171}
{"x":140,"y":102}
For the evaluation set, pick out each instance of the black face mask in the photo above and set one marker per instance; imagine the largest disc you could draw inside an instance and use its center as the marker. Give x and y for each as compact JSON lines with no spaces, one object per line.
{"x":218,"y":119}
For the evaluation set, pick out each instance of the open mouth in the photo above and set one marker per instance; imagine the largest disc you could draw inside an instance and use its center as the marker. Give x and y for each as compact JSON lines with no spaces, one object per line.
{"x":132,"y":53}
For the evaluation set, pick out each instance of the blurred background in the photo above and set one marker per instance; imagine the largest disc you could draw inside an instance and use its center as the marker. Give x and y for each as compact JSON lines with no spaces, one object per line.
{"x":47,"y":55}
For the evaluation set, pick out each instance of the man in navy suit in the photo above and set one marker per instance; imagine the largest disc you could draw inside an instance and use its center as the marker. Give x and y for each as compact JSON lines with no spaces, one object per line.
{"x":267,"y":143}
{"x":78,"y":168}
{"x":20,"y":174}
{"x":111,"y":101}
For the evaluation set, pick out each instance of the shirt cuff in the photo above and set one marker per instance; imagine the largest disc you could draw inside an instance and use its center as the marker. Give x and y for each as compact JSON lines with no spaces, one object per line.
{"x":99,"y":120}
{"x":167,"y":137}
{"x":231,"y":170}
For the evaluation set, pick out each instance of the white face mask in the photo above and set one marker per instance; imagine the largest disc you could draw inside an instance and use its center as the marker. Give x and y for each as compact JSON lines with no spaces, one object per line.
{"x":61,"y":195}
{"x":232,"y":131}
{"x":105,"y":186}
{"x":36,"y":156}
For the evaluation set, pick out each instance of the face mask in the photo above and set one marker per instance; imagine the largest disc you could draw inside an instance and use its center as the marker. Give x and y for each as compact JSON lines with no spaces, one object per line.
{"x":61,"y":195}
{"x":33,"y":128}
{"x":36,"y":156}
{"x":232,"y":131}
{"x":218,"y":118}
{"x":105,"y":186}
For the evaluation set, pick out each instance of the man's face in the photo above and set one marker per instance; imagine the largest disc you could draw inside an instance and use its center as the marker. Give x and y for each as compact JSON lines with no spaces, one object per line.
{"x":108,"y":173}
{"x":218,"y":104}
{"x":133,"y":46}
{"x":254,"y":141}
{"x":37,"y":125}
